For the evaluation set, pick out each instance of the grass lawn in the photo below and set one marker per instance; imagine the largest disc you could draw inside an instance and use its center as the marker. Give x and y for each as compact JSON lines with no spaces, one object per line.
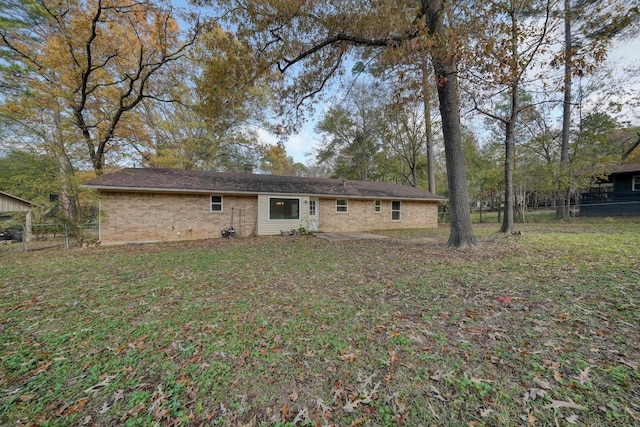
{"x":537,"y":329}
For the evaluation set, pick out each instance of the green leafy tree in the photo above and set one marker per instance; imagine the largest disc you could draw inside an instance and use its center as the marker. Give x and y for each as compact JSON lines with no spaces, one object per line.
{"x":351,"y":135}
{"x":29,"y":175}
{"x":277,"y":162}
{"x":513,"y":48}
{"x":406,"y":141}
{"x":410,"y":81}
{"x":93,"y":62}
{"x":590,"y":26}
{"x":539,"y":152}
{"x":485,"y":173}
{"x":78,"y":71}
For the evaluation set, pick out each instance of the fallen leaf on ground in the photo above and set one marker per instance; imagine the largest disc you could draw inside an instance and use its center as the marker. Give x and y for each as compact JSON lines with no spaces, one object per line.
{"x":631,"y":413}
{"x":542,"y":383}
{"x":251,"y":423}
{"x":284,"y":411}
{"x":533,"y":393}
{"x":42,"y":367}
{"x":584,"y":375}
{"x":572,"y":419}
{"x":485,"y":412}
{"x":322,"y":406}
{"x":480,"y":380}
{"x":557,"y":375}
{"x":437,"y":393}
{"x":347,"y":357}
{"x":351,"y":406}
{"x":633,"y":365}
{"x":303,"y":415}
{"x":562,"y":404}
{"x":105,"y":382}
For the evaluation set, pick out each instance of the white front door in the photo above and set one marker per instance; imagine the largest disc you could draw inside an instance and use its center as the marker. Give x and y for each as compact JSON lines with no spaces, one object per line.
{"x":314,"y":213}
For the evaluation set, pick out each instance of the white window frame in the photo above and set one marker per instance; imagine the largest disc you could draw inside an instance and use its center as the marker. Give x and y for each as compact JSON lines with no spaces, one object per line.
{"x":284,"y":198}
{"x":398,"y":211}
{"x":635,"y":183}
{"x":313,"y":208}
{"x":377,"y":206}
{"x":344,"y":207}
{"x":220,"y":203}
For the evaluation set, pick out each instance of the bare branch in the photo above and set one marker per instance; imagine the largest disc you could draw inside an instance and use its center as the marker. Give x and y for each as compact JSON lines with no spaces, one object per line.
{"x":381,"y":42}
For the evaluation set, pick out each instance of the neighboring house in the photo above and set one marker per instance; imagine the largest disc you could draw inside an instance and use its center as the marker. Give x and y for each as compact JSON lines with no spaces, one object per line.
{"x":616,"y":195}
{"x":153,"y":205}
{"x":9,"y":203}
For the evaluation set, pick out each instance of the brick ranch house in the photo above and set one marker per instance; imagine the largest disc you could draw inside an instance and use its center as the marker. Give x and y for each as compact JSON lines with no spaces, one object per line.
{"x":157,"y":205}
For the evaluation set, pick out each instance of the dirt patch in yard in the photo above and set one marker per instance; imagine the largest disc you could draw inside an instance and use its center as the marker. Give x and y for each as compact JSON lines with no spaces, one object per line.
{"x":341,"y":237}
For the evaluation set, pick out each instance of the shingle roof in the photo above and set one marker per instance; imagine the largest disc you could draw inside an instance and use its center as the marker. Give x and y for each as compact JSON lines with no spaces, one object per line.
{"x":626,"y":168}
{"x":189,"y":181}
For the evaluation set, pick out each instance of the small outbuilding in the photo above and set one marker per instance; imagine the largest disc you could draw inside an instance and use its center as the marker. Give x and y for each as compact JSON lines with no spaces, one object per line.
{"x":10,"y":204}
{"x":155,"y":205}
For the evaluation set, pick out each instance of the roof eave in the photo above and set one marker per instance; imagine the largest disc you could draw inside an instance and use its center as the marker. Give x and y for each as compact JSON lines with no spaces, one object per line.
{"x":26,"y":202}
{"x":252,"y":193}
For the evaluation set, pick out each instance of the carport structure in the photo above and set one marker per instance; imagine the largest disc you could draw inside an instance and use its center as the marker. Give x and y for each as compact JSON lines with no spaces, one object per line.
{"x":10,"y":203}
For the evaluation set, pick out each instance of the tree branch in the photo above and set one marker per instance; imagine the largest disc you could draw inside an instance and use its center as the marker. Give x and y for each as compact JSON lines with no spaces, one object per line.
{"x":360,"y":41}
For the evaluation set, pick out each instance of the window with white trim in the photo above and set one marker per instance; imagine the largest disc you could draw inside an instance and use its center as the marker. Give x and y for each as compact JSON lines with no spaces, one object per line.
{"x":312,"y":208}
{"x":395,"y":210}
{"x":377,"y":206}
{"x":635,"y":183}
{"x":342,"y":205}
{"x":216,"y":203}
{"x":284,"y":208}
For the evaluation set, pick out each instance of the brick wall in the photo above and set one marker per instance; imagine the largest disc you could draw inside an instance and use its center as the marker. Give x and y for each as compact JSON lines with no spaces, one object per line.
{"x":361,"y":216}
{"x":127,"y":217}
{"x":157,"y":217}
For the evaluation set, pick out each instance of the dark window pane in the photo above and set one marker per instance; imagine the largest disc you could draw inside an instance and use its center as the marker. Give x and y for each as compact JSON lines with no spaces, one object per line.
{"x":284,"y":208}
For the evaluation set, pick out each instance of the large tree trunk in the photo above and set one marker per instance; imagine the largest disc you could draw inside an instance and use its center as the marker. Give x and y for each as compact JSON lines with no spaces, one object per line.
{"x":446,"y":74}
{"x":561,"y":209}
{"x":68,"y":190}
{"x":461,"y":234}
{"x":510,"y":129}
{"x":426,"y":96}
{"x":509,"y":148}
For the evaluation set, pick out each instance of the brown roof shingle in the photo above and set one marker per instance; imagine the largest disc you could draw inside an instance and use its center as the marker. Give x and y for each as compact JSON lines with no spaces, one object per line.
{"x":625,"y":168}
{"x":177,"y":180}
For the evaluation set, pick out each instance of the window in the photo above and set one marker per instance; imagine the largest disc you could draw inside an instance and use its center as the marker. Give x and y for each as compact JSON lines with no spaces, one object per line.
{"x":342,"y":205}
{"x":284,"y":208}
{"x":635,"y":185}
{"x":312,"y":208}
{"x":395,"y":211}
{"x":216,"y":203}
{"x":377,"y":206}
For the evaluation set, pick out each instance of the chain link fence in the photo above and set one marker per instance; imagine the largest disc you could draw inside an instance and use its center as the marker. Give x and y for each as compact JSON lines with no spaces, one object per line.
{"x":43,"y":236}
